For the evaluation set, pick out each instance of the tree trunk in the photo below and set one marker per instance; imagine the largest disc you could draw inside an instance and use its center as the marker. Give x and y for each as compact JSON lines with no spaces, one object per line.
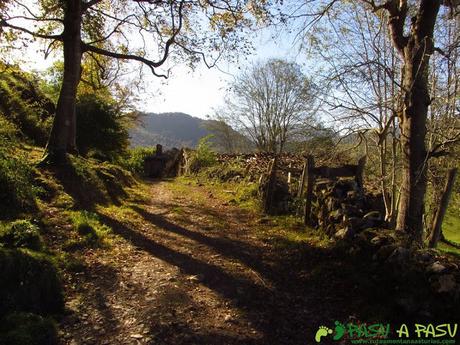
{"x":416,"y":55}
{"x":63,"y":133}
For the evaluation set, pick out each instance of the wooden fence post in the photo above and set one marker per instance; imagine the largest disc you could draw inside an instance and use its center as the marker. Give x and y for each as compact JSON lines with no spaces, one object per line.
{"x":159,"y":150}
{"x":310,"y":165}
{"x":441,"y":211}
{"x":270,"y":185}
{"x":289,"y":174}
{"x":359,"y":172}
{"x":302,"y":180}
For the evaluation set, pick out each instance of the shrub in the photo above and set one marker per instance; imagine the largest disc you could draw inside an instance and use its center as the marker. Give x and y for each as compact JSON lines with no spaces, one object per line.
{"x":133,"y":160}
{"x":27,"y":329}
{"x":21,"y":233}
{"x":30,"y":283}
{"x":100,"y":131}
{"x":204,"y":156}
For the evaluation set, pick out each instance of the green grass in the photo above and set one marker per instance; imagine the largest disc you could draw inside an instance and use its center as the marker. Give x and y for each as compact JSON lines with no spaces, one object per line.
{"x":451,"y":231}
{"x":451,"y":227}
{"x":290,"y":232}
{"x":90,"y":232}
{"x":446,"y":248}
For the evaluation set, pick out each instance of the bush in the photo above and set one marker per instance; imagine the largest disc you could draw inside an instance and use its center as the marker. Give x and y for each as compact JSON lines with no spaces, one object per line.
{"x":100,"y":132}
{"x":133,"y":160}
{"x":204,"y":156}
{"x":8,"y":131}
{"x":27,"y":329}
{"x":21,"y":234}
{"x":30,"y":283}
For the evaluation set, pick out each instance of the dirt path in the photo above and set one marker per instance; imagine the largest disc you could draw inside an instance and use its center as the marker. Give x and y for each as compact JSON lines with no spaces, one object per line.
{"x":187,"y":268}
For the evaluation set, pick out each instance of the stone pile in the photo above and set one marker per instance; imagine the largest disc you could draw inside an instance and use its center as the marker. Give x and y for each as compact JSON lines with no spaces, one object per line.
{"x":339,"y":208}
{"x":257,"y":164}
{"x":426,"y":282}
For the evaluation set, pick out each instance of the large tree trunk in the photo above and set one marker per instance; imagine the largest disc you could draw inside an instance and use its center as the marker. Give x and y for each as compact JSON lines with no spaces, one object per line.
{"x":416,"y":55}
{"x":63,"y":133}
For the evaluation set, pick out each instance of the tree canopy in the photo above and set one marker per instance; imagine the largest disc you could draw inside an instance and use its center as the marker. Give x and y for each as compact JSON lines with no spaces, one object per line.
{"x":149,"y":32}
{"x":269,"y":101}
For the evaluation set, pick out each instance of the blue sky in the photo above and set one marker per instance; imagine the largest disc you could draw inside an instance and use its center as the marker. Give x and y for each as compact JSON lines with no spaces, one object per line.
{"x":198,"y":93}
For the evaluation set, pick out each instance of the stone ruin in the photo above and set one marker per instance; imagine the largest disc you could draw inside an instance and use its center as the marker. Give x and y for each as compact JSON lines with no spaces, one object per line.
{"x":163,"y":164}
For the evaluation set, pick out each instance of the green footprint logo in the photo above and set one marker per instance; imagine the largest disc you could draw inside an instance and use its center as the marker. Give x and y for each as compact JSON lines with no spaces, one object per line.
{"x":322,"y":332}
{"x":339,"y":330}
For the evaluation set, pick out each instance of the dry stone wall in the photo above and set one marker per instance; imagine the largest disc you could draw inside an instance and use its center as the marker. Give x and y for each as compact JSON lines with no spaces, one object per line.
{"x":339,"y":208}
{"x":425,"y":282}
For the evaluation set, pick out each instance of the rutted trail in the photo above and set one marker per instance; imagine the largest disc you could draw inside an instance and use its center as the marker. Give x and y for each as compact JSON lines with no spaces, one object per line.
{"x":188,"y":268}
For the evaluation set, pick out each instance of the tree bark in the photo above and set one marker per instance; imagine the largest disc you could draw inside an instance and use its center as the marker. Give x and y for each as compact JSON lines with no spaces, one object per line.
{"x":416,"y":54}
{"x":62,"y":138}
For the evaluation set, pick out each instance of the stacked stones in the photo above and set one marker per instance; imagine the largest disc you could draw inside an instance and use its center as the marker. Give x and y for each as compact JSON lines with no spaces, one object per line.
{"x":426,"y":282}
{"x":339,"y":208}
{"x":256,"y":164}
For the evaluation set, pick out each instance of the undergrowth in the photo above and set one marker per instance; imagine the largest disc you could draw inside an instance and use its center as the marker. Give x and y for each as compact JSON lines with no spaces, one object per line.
{"x":133,"y":159}
{"x":22,"y":102}
{"x":17,"y":191}
{"x":21,"y":234}
{"x":203,"y":157}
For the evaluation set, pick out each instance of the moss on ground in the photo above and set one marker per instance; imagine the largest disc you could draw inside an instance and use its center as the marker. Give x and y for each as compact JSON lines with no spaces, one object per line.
{"x":30,"y":283}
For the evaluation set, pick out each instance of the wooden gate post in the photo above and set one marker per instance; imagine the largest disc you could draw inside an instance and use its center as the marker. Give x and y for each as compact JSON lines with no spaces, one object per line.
{"x":302,"y":180}
{"x":309,"y":170}
{"x":270,"y":185}
{"x":159,"y":150}
{"x":359,"y":172}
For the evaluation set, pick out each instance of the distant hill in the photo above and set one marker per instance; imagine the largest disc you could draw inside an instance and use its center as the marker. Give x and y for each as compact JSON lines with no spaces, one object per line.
{"x":176,"y":130}
{"x":168,"y":129}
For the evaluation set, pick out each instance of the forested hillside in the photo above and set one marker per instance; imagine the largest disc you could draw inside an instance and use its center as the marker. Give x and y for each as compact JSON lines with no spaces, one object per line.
{"x":169,"y":129}
{"x":182,"y":130}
